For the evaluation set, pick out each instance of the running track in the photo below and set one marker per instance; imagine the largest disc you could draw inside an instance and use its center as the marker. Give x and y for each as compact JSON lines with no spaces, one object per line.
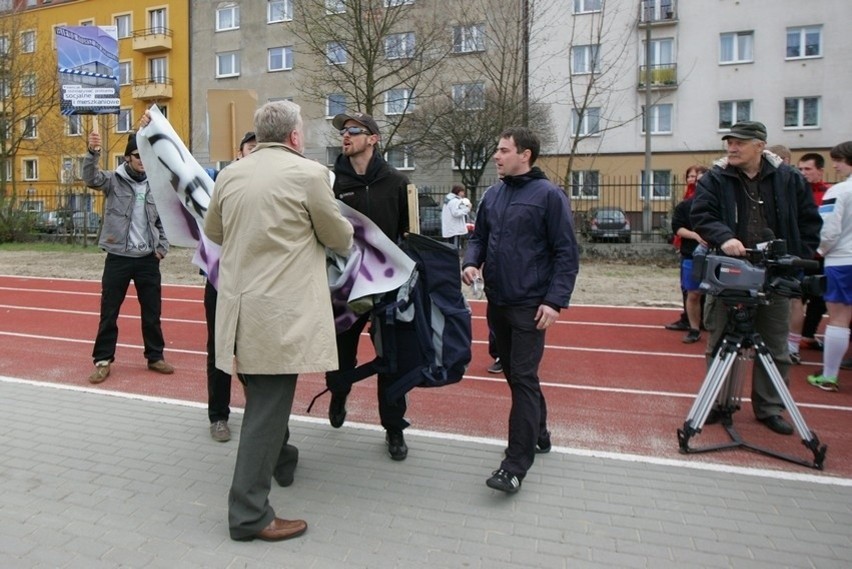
{"x":615,"y":379}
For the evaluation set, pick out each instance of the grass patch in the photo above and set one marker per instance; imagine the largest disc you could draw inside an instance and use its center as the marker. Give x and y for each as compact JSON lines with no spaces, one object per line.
{"x":43,"y":247}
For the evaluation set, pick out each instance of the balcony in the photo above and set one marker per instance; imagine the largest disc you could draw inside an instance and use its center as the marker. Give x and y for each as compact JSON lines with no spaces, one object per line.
{"x":151,"y":40}
{"x":663,"y":76}
{"x":152,"y":89}
{"x":657,"y":13}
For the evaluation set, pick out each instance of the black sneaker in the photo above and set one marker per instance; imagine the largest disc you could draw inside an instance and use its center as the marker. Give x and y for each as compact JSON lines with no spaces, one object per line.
{"x":678,"y":326}
{"x":504,"y":481}
{"x":692,"y":336}
{"x":795,"y":358}
{"x":543,"y":444}
{"x":337,"y":410}
{"x":397,"y":449}
{"x":496,"y":367}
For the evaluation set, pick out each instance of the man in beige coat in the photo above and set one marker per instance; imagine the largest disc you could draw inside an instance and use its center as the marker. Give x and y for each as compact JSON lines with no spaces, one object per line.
{"x":272,"y":212}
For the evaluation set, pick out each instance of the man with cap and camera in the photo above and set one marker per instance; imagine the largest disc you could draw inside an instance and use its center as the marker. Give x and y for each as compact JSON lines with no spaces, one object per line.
{"x":747,"y":195}
{"x":133,"y":238}
{"x":368,"y":184}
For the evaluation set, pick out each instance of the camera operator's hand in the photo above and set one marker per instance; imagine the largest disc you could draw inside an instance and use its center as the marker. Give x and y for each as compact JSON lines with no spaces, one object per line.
{"x":734,"y":248}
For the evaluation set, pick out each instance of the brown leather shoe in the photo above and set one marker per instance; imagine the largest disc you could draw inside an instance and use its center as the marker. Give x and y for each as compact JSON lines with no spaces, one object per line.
{"x":160,"y":366}
{"x":279,"y":530}
{"x":101,"y":373}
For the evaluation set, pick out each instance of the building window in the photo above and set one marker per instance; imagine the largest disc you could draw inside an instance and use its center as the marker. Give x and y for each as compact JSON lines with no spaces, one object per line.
{"x":125,"y":73}
{"x":585,"y":59}
{"x":732,"y":112}
{"x":74,"y":125}
{"x":335,"y":6}
{"x":9,"y":169}
{"x":280,"y":58}
{"x":331,"y":154}
{"x":804,"y":42}
{"x":157,"y":21}
{"x":660,"y":119}
{"x":123,"y":25}
{"x":123,"y":121}
{"x":335,"y":53}
{"x":4,"y":45}
{"x":399,"y":46}
{"x":279,"y":11}
{"x":31,"y":169}
{"x":5,"y":89}
{"x":585,"y":184}
{"x":30,"y":127}
{"x":468,"y":39}
{"x":28,"y":85}
{"x":28,"y":41}
{"x":661,"y":185}
{"x":400,"y":157}
{"x":87,"y":22}
{"x":227,"y":18}
{"x":469,"y":96}
{"x":736,"y":47}
{"x":335,"y":104}
{"x":228,"y":64}
{"x":588,"y":124}
{"x":801,"y":112}
{"x":583,"y":6}
{"x":395,"y":3}
{"x":476,"y":155}
{"x":157,"y":70}
{"x":398,"y":101}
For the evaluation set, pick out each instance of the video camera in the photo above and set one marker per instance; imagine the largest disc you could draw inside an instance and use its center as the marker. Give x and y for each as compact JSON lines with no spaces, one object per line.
{"x":766,"y":270}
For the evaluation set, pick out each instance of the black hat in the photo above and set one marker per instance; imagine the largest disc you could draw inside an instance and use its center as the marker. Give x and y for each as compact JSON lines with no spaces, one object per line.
{"x":364,"y":120}
{"x":246,"y":138}
{"x":747,"y":130}
{"x":131,"y":145}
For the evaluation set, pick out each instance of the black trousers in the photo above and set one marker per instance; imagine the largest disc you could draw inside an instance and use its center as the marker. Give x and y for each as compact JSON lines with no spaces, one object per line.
{"x":392,"y":414}
{"x":145,"y":274}
{"x":218,"y":382}
{"x":520,"y":347}
{"x":813,"y":315}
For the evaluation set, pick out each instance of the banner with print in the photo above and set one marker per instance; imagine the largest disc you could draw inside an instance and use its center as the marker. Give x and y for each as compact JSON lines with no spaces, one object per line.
{"x":88,"y":70}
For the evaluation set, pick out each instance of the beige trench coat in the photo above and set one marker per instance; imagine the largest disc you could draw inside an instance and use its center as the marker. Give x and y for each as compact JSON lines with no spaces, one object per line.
{"x":273,"y":212}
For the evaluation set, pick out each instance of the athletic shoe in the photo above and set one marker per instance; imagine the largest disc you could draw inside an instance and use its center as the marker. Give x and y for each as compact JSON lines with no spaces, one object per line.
{"x":824,"y":382}
{"x":811,"y":344}
{"x":101,"y":373}
{"x":504,"y":481}
{"x":795,"y":358}
{"x":160,"y":366}
{"x":543,"y":445}
{"x":692,"y":336}
{"x":220,"y":432}
{"x":678,"y":326}
{"x":496,"y":367}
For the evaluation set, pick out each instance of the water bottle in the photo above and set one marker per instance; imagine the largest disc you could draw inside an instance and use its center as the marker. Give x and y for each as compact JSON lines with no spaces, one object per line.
{"x":477,"y":288}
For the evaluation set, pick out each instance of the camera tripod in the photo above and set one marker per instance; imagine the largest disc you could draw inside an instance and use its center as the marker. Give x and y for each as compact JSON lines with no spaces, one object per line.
{"x":722,"y":388}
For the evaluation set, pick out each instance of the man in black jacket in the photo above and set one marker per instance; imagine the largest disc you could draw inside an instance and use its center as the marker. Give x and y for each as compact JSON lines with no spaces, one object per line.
{"x":368,"y":184}
{"x":743,"y":197}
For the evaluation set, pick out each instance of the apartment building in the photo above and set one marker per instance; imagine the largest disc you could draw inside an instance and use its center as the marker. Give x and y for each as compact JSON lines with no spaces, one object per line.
{"x":153,"y":68}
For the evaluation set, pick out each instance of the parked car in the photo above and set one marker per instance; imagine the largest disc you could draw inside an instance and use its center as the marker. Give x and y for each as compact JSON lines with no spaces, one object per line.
{"x":91,"y":220}
{"x":52,"y":221}
{"x":430,"y":216}
{"x":606,"y":223}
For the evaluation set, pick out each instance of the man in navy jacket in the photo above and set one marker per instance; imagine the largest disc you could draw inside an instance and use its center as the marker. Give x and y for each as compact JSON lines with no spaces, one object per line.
{"x":524,"y":243}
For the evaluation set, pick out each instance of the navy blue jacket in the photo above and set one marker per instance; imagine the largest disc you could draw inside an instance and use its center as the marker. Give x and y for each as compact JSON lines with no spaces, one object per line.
{"x":524,"y":235}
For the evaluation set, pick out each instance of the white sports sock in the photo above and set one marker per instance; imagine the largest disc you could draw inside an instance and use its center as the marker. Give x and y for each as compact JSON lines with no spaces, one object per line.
{"x":793,"y":342}
{"x":836,"y":344}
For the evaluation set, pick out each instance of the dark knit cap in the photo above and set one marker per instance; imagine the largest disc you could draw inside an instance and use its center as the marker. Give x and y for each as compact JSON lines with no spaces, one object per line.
{"x":131,"y":145}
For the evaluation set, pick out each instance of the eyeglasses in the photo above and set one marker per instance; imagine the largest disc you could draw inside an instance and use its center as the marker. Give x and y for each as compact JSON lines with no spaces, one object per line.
{"x":134,"y":154}
{"x":354,"y":130}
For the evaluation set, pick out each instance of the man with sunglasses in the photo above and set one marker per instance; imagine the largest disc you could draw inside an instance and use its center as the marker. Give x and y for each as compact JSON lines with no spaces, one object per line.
{"x":133,"y":238}
{"x":367,"y":183}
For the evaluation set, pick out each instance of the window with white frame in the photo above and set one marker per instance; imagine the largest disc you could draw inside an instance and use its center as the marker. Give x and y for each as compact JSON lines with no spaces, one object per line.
{"x":398,"y":101}
{"x":469,"y":96}
{"x":335,"y":53}
{"x":469,"y":39}
{"x":804,"y":41}
{"x":28,"y":85}
{"x":400,"y":157}
{"x":732,"y":112}
{"x":164,"y":110}
{"x":280,"y":58}
{"x":88,"y":22}
{"x":4,"y":45}
{"x":5,"y":89}
{"x":72,"y":169}
{"x":124,"y":121}
{"x":228,"y":64}
{"x":157,"y":20}
{"x":335,"y":104}
{"x":335,"y":6}
{"x":30,"y":169}
{"x":801,"y":112}
{"x":227,"y":17}
{"x":157,"y":72}
{"x":585,"y":59}
{"x":279,"y":11}
{"x":125,"y":72}
{"x":662,"y":52}
{"x":586,"y":122}
{"x":399,"y":46}
{"x":585,"y":184}
{"x":28,"y":41}
{"x":582,"y":6}
{"x":30,"y":128}
{"x":661,"y":185}
{"x":74,"y":125}
{"x":119,"y":160}
{"x":394,"y":3}
{"x":9,"y":169}
{"x":331,"y":154}
{"x":659,"y":117}
{"x":123,"y":25}
{"x":466,"y":157}
{"x":736,"y":47}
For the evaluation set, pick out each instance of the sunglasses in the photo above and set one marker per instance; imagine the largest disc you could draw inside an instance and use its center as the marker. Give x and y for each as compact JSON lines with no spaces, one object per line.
{"x":354,"y":130}
{"x":134,"y":154}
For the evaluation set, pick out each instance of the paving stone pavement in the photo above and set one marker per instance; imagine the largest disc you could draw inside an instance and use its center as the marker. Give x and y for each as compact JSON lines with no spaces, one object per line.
{"x":90,"y":480}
